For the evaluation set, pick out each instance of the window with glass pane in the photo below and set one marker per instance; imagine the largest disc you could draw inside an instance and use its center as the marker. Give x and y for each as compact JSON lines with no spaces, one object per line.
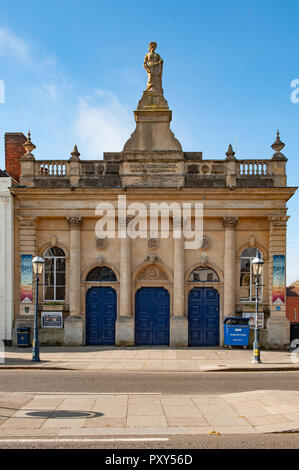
{"x":102,"y":274}
{"x":247,"y":279}
{"x":54,"y":274}
{"x":203,"y":274}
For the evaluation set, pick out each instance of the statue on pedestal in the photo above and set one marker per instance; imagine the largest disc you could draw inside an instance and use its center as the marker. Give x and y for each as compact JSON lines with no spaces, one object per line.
{"x":153,"y":65}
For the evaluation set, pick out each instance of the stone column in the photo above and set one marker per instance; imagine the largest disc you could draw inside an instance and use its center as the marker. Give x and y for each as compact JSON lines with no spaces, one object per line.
{"x":278,"y":327}
{"x":229,"y":224}
{"x":179,"y":322}
{"x":73,"y":328}
{"x":125,"y":278}
{"x":124,"y":322}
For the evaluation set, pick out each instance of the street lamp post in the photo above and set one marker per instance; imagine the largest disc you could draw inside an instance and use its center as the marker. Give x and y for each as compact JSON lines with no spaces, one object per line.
{"x":257,"y":266}
{"x":38,"y":264}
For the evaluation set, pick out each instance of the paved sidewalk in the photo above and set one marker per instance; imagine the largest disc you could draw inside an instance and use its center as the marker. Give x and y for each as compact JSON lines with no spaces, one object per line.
{"x":83,"y":415}
{"x":144,"y":359}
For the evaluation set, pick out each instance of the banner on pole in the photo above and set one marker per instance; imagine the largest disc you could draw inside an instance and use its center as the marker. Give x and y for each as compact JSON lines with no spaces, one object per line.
{"x":26,"y":279}
{"x":278,"y":293}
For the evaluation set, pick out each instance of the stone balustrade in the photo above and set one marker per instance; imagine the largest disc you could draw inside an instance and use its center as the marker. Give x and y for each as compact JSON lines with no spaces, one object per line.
{"x":114,"y":171}
{"x":247,"y":168}
{"x":51,"y":168}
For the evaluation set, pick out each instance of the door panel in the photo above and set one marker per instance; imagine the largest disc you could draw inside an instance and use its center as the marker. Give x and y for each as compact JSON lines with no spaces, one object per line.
{"x":152,"y":316}
{"x":101,"y":305}
{"x":203,"y":317}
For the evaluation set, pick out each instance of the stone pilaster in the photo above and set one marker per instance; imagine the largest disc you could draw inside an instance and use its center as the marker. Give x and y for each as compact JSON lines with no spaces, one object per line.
{"x":278,"y":328}
{"x":27,"y":246}
{"x":229,"y":224}
{"x":7,"y":265}
{"x":178,"y":322}
{"x":73,"y":328}
{"x":125,"y":322}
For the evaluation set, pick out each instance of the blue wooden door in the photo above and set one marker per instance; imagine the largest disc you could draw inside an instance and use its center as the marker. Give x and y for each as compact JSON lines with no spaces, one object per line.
{"x":203,"y":316}
{"x":101,"y":306}
{"x":152,"y":316}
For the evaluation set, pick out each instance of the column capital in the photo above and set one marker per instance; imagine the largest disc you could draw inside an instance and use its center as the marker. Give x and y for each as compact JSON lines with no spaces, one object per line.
{"x":74,"y":222}
{"x":278,"y":220}
{"x":26,"y":220}
{"x":230,"y":222}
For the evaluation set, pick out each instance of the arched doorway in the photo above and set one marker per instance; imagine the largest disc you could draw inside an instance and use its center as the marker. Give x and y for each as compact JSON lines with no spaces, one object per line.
{"x":101,"y":308}
{"x":152,"y":314}
{"x":203,"y":309}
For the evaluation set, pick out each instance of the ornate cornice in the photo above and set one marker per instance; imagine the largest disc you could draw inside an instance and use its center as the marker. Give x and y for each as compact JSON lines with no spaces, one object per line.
{"x":229,"y":221}
{"x":74,"y":222}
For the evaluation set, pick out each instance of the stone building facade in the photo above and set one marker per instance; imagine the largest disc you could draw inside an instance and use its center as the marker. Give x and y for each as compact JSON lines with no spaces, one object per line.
{"x":150,"y":291}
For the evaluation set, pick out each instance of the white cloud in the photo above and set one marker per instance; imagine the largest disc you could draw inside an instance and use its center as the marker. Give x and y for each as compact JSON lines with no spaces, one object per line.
{"x":102,"y":124}
{"x":10,"y":44}
{"x":51,"y":90}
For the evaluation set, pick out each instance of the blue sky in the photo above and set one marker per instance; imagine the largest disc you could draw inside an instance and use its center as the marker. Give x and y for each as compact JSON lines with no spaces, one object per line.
{"x":73,"y":74}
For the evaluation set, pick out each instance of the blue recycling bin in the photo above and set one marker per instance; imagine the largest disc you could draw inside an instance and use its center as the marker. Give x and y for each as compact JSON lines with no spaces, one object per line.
{"x":23,"y":337}
{"x":236,"y":331}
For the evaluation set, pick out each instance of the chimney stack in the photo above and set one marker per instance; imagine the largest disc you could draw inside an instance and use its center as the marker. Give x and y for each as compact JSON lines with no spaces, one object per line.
{"x":14,"y":150}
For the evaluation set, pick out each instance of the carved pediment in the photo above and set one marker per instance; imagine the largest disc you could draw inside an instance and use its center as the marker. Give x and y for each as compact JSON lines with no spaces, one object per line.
{"x":151,"y":273}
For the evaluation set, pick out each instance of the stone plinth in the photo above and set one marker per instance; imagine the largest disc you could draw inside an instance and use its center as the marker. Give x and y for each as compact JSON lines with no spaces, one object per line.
{"x":179,"y":332}
{"x":73,"y":331}
{"x":152,"y":131}
{"x":124,"y":331}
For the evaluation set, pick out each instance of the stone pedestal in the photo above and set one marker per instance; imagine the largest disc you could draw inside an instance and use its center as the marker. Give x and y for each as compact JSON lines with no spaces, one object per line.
{"x":124,"y":331}
{"x":277,"y":333}
{"x":73,"y":331}
{"x":152,"y":131}
{"x":179,"y":332}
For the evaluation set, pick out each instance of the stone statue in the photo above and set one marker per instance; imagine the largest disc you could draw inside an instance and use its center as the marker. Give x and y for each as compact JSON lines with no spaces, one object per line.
{"x":153,"y":65}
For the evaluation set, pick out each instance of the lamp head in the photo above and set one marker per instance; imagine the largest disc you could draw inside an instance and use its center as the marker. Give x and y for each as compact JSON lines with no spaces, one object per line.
{"x":257,"y":265}
{"x":38,"y":264}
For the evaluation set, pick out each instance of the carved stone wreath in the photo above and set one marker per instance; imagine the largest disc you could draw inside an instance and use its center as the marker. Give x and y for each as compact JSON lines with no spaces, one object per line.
{"x":153,"y":243}
{"x":205,"y":169}
{"x":206,"y":242}
{"x":151,"y":273}
{"x":102,"y":243}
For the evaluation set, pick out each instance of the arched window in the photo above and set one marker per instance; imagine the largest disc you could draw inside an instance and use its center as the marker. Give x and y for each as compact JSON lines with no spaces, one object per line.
{"x":203,"y":274}
{"x":101,"y":273}
{"x":247,"y":280}
{"x":54,"y":274}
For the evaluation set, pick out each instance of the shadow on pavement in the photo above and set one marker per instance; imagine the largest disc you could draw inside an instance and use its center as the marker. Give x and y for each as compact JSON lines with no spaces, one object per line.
{"x":63,"y":414}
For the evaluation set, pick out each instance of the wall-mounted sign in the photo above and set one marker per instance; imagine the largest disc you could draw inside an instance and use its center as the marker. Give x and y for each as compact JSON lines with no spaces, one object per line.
{"x":278,"y":292}
{"x":52,"y":320}
{"x":26,"y":279}
{"x":251,"y":315}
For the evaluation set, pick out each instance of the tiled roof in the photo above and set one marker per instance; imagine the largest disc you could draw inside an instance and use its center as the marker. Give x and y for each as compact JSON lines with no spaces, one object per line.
{"x":293,"y":291}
